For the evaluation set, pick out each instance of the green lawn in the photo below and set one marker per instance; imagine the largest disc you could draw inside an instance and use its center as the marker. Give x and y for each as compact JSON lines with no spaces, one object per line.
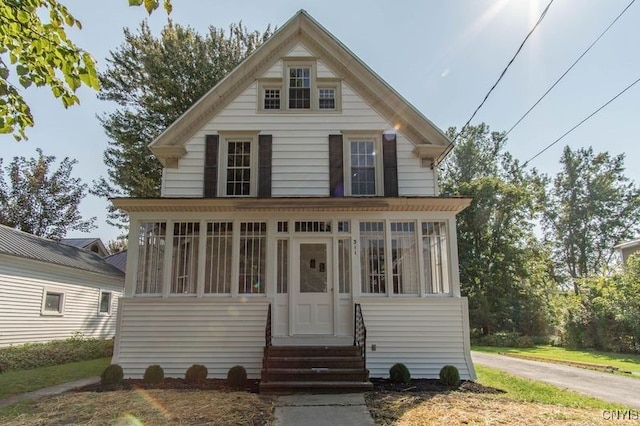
{"x":21,"y":381}
{"x":538,"y":392}
{"x":624,"y":362}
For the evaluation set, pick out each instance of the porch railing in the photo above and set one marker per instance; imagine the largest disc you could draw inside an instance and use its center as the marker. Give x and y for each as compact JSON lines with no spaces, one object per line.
{"x":267,"y":329}
{"x":360,"y":333}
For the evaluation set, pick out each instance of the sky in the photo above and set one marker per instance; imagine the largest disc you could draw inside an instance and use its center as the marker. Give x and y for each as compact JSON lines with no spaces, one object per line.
{"x":442,"y":56}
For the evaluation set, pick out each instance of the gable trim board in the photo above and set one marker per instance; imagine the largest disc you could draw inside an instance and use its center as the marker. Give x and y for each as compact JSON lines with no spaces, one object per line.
{"x":169,"y":145}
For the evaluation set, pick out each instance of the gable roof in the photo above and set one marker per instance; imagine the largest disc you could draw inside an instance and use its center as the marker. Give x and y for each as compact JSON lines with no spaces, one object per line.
{"x":78,"y":242}
{"x":628,"y":244}
{"x":119,"y":260}
{"x":430,"y":141}
{"x":28,"y":246}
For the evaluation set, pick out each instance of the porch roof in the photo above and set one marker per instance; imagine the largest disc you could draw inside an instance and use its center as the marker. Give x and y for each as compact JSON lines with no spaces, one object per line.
{"x":288,"y":204}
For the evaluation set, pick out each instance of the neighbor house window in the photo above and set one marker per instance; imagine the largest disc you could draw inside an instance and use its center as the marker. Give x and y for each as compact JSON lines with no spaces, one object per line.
{"x":327,"y":98}
{"x":217,"y":274}
{"x":434,"y":252}
{"x":53,"y":302}
{"x":105,"y":302}
{"x":299,"y":87}
{"x":362,"y":162}
{"x":185,"y":257}
{"x":151,"y":243}
{"x":404,"y":258}
{"x":372,"y":257}
{"x":271,"y":99}
{"x":253,"y":242}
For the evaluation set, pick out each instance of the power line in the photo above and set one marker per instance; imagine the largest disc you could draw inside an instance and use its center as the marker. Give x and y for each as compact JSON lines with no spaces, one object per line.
{"x":569,"y":69}
{"x":504,"y":71}
{"x":577,"y":125}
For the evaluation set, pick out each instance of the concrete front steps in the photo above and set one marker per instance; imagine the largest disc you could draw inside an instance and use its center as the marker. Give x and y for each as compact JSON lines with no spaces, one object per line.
{"x":314,"y":369}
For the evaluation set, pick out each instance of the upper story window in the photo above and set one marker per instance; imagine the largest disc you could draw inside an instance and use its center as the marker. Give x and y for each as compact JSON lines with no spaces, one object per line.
{"x":299,"y":87}
{"x":271,"y":99}
{"x":362,"y":165}
{"x":238,"y":173}
{"x":327,"y":98}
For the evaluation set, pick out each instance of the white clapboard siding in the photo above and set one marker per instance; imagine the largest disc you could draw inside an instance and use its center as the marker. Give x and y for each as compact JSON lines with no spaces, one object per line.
{"x":299,"y":51}
{"x":300,"y":165}
{"x":274,"y":72}
{"x":22,"y":284}
{"x":177,"y":333}
{"x":424,"y":334}
{"x":324,"y":71}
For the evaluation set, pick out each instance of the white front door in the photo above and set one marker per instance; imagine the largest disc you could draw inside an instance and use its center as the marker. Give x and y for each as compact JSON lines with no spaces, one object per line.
{"x":313,"y":287}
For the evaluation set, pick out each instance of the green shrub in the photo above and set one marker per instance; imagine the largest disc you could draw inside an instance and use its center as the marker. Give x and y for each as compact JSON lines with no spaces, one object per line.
{"x":112,"y":375}
{"x":525,"y":342}
{"x":449,"y":375}
{"x":399,"y":373}
{"x":153,"y":375}
{"x":237,"y":377}
{"x":196,"y":374}
{"x":32,"y":355}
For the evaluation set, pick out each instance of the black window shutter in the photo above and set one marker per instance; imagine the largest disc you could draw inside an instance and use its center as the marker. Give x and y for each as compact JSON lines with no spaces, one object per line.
{"x":264,"y":165}
{"x":336,"y":168}
{"x":211,"y":166}
{"x":390,"y":165}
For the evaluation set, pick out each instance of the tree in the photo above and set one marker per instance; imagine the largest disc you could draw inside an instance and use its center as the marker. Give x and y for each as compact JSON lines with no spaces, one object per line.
{"x":39,"y":53}
{"x":40,"y":200}
{"x":154,"y":80}
{"x":592,"y":206}
{"x":502,"y":265}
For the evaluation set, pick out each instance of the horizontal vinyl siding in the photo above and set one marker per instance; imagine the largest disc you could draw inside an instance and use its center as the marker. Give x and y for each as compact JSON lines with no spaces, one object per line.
{"x":299,"y":50}
{"x":424,"y":334}
{"x":300,"y":148}
{"x":178,"y":333}
{"x":274,"y":72}
{"x":21,"y":291}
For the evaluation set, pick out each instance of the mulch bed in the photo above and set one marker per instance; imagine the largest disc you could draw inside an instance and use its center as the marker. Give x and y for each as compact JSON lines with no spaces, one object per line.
{"x":379,"y":385}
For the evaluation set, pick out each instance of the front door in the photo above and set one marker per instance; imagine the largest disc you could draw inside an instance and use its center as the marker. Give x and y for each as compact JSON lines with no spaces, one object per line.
{"x":313,"y":287}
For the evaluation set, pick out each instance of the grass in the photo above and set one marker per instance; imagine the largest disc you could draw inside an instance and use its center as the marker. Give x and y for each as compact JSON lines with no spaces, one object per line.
{"x":21,"y":381}
{"x":624,"y":362}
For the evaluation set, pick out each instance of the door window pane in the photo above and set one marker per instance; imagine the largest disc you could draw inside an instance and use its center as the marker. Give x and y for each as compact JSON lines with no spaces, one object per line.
{"x":313,"y":268}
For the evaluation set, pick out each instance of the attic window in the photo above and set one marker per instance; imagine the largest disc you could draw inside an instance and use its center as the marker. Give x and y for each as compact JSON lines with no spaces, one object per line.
{"x":300,"y":88}
{"x":271,"y":99}
{"x":327,"y":98}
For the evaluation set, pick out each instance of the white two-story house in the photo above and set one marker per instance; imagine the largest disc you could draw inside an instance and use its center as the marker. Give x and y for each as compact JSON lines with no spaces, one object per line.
{"x":299,"y":205}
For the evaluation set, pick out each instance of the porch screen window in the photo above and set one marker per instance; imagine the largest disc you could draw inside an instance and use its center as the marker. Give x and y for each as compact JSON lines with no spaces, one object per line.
{"x":434,"y":251}
{"x":344,"y":265}
{"x":151,"y":243}
{"x":253,"y":242}
{"x":299,"y":88}
{"x":185,"y":257}
{"x":372,"y":258}
{"x":217,"y":273}
{"x":404,"y":257}
{"x":283,"y":265}
{"x":363,"y":168}
{"x":239,"y":168}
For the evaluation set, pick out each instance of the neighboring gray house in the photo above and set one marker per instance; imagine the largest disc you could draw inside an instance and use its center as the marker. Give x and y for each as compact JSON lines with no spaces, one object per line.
{"x":50,"y":290}
{"x":628,"y":248}
{"x":94,"y":245}
{"x":299,"y":205}
{"x":119,"y":260}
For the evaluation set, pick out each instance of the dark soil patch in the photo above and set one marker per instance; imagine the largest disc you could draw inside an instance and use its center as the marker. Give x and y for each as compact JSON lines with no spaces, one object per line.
{"x":430,"y":385}
{"x":172,"y":383}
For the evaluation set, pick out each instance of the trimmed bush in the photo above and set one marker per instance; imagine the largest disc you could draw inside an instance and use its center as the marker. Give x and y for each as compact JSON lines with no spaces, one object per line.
{"x":33,"y":355}
{"x":237,"y":377}
{"x":449,"y":375}
{"x":153,"y":375}
{"x":399,"y":373}
{"x":196,"y":374}
{"x":112,"y":375}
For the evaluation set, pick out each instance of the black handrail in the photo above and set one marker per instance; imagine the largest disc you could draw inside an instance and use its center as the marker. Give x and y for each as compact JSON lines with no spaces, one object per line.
{"x":267,"y":331}
{"x":360,"y":333}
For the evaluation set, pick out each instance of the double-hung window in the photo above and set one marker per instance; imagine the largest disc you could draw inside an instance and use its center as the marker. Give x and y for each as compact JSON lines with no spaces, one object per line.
{"x":299,"y":86}
{"x":363,"y":168}
{"x":238,"y":174}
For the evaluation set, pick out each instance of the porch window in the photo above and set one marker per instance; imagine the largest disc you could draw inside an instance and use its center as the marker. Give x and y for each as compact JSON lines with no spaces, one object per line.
{"x":404,"y":258}
{"x":313,"y":226}
{"x":434,"y":251}
{"x":217,"y":274}
{"x":185,"y":257}
{"x":253,"y":242}
{"x":282,"y":260}
{"x":372,"y":258}
{"x":151,"y":243}
{"x":344,"y":265}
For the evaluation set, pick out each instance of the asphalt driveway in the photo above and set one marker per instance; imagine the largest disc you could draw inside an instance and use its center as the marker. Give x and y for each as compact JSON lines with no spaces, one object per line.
{"x":606,"y":386}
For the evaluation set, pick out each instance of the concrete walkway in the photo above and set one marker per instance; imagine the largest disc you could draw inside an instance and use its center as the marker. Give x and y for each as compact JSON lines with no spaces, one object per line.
{"x":320,"y":410}
{"x":53,"y":390}
{"x":605,"y":386}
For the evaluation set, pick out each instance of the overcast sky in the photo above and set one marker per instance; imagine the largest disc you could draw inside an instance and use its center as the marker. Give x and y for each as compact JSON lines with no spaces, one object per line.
{"x":442,"y":56}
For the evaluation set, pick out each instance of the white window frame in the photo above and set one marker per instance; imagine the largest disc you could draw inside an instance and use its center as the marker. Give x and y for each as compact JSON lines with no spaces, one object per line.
{"x":100,"y":311}
{"x":61,"y":306}
{"x":313,"y":95}
{"x":376,"y":138}
{"x":226,"y":138}
{"x":333,"y":85}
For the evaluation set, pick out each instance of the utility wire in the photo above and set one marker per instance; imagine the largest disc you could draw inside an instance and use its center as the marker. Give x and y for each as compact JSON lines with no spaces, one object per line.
{"x":577,"y":125}
{"x":569,"y":69}
{"x":453,"y":142}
